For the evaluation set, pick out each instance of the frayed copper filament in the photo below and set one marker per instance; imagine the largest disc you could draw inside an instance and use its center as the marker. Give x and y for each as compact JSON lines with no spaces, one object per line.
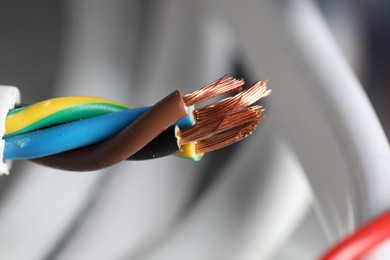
{"x":221,"y":86}
{"x":242,"y":99}
{"x":220,"y":123}
{"x":225,"y":139}
{"x":227,"y":121}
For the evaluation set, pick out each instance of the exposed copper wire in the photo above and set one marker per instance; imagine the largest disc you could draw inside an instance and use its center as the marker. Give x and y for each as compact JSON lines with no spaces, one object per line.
{"x":225,"y":139}
{"x":246,"y":98}
{"x":221,"y":86}
{"x":220,"y":123}
{"x":235,"y":108}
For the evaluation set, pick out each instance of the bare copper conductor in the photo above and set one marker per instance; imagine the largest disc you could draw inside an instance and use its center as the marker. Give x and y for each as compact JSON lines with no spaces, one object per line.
{"x":225,"y":139}
{"x":221,"y":123}
{"x":221,"y":86}
{"x":227,"y":121}
{"x":242,"y":99}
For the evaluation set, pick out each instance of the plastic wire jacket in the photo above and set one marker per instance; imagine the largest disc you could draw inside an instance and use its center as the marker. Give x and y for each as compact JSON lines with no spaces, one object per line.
{"x":57,"y":111}
{"x":163,"y":145}
{"x":365,"y":239}
{"x":167,"y":144}
{"x":124,"y":144}
{"x":9,"y":96}
{"x":69,"y":136}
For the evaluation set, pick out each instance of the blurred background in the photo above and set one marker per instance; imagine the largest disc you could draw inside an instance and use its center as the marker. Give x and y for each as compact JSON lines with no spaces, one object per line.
{"x":314,"y":170}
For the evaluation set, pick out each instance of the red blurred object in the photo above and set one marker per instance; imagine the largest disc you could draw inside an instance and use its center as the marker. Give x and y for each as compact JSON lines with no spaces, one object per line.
{"x":364,"y":240}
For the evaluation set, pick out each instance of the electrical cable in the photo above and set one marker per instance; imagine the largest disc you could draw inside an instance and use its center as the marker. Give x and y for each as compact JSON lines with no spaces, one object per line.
{"x":364,"y":240}
{"x":62,"y":110}
{"x":124,"y":144}
{"x":57,"y":111}
{"x":87,"y":133}
{"x":73,"y":135}
{"x":163,"y":145}
{"x":68,"y":136}
{"x":81,"y":133}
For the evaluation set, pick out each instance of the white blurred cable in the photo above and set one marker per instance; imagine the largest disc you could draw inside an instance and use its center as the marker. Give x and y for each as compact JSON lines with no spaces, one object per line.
{"x":306,"y":242}
{"x":248,"y":213}
{"x":320,"y":106}
{"x":185,"y":48}
{"x":38,"y":211}
{"x":347,"y":25}
{"x":98,"y":47}
{"x":281,"y":201}
{"x":142,"y":199}
{"x":381,"y":252}
{"x":136,"y":205}
{"x":9,"y":97}
{"x":96,"y":62}
{"x":44,"y":203}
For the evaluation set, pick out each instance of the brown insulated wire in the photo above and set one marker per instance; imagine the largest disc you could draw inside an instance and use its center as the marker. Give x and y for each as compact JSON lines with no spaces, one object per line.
{"x":125,"y":143}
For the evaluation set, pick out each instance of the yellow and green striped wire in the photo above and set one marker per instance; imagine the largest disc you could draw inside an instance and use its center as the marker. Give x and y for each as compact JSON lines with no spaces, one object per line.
{"x":61,"y":110}
{"x":57,"y":111}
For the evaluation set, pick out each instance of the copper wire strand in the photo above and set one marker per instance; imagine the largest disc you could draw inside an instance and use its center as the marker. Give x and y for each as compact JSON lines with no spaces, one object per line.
{"x":219,"y":124}
{"x":221,"y":86}
{"x":209,"y":126}
{"x":226,"y":139}
{"x":247,"y":97}
{"x":235,"y":108}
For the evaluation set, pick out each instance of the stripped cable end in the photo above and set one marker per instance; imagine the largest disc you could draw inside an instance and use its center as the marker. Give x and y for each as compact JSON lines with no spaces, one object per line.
{"x":242,"y":99}
{"x":220,"y":123}
{"x":221,"y":86}
{"x":227,"y":121}
{"x":142,"y":133}
{"x":225,"y":139}
{"x":230,"y":133}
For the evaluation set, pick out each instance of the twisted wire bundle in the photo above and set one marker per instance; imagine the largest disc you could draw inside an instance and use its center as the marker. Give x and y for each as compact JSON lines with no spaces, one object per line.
{"x":89,"y":133}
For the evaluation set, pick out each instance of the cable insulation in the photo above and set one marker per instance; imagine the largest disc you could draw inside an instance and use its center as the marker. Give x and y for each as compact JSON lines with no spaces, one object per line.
{"x":68,"y":136}
{"x":124,"y":144}
{"x":364,"y":240}
{"x":87,"y":133}
{"x":163,"y":145}
{"x":56,"y":111}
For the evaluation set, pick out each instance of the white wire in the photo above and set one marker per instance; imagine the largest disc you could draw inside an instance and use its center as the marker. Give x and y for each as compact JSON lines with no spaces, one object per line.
{"x":9,"y":97}
{"x":321,"y":108}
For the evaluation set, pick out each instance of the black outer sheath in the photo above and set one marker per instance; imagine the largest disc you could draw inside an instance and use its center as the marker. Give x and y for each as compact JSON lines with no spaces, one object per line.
{"x":163,"y":145}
